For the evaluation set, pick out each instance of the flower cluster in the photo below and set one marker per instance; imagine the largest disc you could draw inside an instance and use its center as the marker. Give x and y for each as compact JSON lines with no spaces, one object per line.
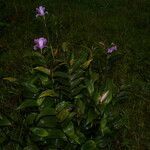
{"x":41,"y":42}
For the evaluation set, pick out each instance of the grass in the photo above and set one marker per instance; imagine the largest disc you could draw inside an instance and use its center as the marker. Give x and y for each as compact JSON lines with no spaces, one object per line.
{"x":86,"y":22}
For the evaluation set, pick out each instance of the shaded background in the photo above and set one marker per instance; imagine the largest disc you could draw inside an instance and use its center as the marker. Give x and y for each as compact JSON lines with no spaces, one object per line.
{"x":86,"y":22}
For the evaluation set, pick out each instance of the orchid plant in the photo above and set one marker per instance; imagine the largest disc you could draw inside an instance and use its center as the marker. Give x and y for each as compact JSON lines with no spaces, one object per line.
{"x":66,"y":102}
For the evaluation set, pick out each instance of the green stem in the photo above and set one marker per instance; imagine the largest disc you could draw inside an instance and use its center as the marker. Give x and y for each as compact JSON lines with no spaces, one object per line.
{"x":46,"y":28}
{"x":51,"y":48}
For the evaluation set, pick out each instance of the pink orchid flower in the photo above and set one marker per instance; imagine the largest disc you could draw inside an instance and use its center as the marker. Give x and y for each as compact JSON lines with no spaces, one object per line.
{"x":40,"y":43}
{"x":41,"y":11}
{"x":112,"y":49}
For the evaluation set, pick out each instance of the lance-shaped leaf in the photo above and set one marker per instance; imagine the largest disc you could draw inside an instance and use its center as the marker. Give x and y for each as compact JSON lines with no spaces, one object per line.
{"x":60,"y":74}
{"x":56,"y":133}
{"x":91,"y":116}
{"x":70,"y":132}
{"x":69,"y":129}
{"x":4,"y":122}
{"x":47,"y":122}
{"x":43,"y":70}
{"x":80,"y":106}
{"x":90,"y":87}
{"x":30,"y":87}
{"x":31,"y":147}
{"x":31,"y":118}
{"x":47,"y":111}
{"x":86,"y":64}
{"x":39,"y":132}
{"x":62,"y":115}
{"x":103,"y":125}
{"x":61,"y":106}
{"x":47,"y":93}
{"x":44,"y":79}
{"x":27,"y":103}
{"x":40,"y":100}
{"x":89,"y":145}
{"x":10,"y":79}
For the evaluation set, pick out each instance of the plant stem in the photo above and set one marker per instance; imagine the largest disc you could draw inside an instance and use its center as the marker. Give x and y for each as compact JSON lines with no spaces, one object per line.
{"x":46,"y":28}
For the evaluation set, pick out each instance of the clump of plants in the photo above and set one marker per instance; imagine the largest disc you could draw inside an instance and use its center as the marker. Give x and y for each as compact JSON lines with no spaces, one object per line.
{"x":66,"y":100}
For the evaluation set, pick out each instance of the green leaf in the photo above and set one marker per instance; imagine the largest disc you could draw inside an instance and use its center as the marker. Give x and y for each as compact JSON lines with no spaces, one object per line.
{"x":61,"y":106}
{"x":81,"y":136}
{"x":40,"y":101}
{"x":86,"y":64}
{"x":78,"y":62}
{"x":60,"y":74}
{"x":46,"y":93}
{"x":90,"y":83}
{"x":31,"y":118}
{"x":44,"y":79}
{"x":56,"y":133}
{"x":43,"y":70}
{"x":39,"y":132}
{"x":94,"y":76}
{"x":62,"y":115}
{"x":103,"y":125}
{"x":81,"y":106}
{"x":90,"y":87}
{"x":91,"y":116}
{"x":101,"y":142}
{"x":78,"y":90}
{"x":89,"y":145}
{"x":47,"y":111}
{"x":76,"y":82}
{"x":72,"y":59}
{"x":47,"y":103}
{"x":69,"y":131}
{"x":10,"y":79}
{"x":62,"y":110}
{"x":76,"y":75}
{"x":4,"y":122}
{"x":103,"y":122}
{"x":31,"y":147}
{"x":65,"y":46}
{"x":48,"y":122}
{"x":27,"y":103}
{"x":96,"y":97}
{"x":30,"y":87}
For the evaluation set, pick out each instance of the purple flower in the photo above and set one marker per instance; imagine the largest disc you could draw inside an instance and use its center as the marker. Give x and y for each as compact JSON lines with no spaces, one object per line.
{"x":111,"y":49}
{"x":40,"y":43}
{"x":41,"y":11}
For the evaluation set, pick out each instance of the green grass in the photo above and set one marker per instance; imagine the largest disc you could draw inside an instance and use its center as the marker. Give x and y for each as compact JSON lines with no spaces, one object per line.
{"x":86,"y":22}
